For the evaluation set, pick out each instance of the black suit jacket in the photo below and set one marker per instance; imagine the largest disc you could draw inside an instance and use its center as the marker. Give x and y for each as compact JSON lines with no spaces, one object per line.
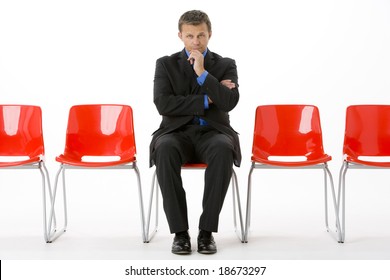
{"x":178,"y":96}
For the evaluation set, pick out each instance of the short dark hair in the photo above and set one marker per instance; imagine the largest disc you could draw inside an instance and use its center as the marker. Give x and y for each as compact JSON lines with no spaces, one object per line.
{"x":195,"y":17}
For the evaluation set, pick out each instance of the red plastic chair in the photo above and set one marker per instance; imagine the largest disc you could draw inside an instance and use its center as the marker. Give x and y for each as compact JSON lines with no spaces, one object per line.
{"x":21,"y":143}
{"x":98,"y":130}
{"x":289,"y":131}
{"x":367,"y":134}
{"x":189,"y":166}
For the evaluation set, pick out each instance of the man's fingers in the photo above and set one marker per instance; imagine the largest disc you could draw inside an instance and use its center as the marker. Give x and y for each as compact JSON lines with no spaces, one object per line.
{"x":228,"y":83}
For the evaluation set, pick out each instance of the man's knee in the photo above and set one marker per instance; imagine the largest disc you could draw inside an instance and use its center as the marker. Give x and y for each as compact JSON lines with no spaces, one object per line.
{"x":221,"y":150}
{"x":167,"y":149}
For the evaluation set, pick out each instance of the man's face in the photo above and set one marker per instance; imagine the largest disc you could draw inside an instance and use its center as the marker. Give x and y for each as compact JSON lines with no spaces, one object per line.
{"x":195,"y":37}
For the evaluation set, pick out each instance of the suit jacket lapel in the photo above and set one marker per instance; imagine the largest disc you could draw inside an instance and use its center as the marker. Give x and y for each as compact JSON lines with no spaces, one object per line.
{"x":185,"y":66}
{"x":189,"y":73}
{"x":209,"y":60}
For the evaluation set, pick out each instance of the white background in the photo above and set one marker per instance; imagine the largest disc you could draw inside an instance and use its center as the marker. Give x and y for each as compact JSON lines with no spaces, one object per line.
{"x":333,"y":53}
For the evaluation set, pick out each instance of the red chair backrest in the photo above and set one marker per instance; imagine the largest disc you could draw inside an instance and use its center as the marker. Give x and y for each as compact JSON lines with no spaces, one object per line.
{"x":287,"y":130}
{"x":367,"y":130}
{"x":21,"y":131}
{"x":100,"y":130}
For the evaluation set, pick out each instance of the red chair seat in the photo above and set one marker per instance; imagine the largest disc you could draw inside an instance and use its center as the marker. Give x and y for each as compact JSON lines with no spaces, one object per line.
{"x":194,"y":165}
{"x":308,"y":162}
{"x":368,"y":163}
{"x":77,"y":162}
{"x":21,"y":162}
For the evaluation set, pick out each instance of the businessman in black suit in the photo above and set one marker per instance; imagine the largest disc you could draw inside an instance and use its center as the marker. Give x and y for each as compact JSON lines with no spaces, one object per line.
{"x":193,"y":91}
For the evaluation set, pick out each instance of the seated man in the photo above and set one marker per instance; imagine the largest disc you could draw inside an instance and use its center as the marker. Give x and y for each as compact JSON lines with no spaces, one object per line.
{"x":193,"y":91}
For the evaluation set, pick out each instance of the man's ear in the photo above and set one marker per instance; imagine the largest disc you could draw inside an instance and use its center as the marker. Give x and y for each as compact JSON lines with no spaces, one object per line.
{"x":179,"y":35}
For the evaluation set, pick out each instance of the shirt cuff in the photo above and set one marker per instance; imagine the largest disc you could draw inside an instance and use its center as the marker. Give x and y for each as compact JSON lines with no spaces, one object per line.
{"x":206,"y":101}
{"x":202,"y":77}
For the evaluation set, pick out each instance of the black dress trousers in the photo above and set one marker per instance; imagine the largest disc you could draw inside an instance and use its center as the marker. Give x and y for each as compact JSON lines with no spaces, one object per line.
{"x":193,"y":144}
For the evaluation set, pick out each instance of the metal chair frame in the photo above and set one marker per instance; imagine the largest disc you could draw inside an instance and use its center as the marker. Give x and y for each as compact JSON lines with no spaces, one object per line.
{"x":327,"y":176}
{"x":155,"y":189}
{"x":341,"y":191}
{"x":57,"y":233}
{"x":45,"y":179}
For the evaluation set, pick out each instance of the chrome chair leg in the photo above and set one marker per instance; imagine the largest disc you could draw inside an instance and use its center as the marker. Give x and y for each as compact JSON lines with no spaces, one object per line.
{"x":141,"y":203}
{"x":54,"y":234}
{"x":336,"y":211}
{"x":248,"y":204}
{"x":236,"y":197}
{"x":154,"y":189}
{"x":45,"y":179}
{"x":341,"y":198}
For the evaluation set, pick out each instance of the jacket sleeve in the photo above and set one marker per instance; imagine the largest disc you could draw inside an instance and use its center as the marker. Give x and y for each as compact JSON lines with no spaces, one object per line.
{"x":224,"y":98}
{"x":169,"y":102}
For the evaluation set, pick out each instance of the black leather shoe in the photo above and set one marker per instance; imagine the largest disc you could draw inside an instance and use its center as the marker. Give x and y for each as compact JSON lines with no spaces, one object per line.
{"x":206,"y":244}
{"x":181,"y":244}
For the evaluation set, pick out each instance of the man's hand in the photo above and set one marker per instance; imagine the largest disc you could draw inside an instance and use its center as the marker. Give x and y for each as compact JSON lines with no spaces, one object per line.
{"x":228,"y":83}
{"x":196,"y":58}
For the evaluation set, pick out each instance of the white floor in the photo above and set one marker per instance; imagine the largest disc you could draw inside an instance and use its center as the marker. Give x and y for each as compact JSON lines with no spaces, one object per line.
{"x":80,"y":246}
{"x":287,"y":220}
{"x":104,"y":225}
